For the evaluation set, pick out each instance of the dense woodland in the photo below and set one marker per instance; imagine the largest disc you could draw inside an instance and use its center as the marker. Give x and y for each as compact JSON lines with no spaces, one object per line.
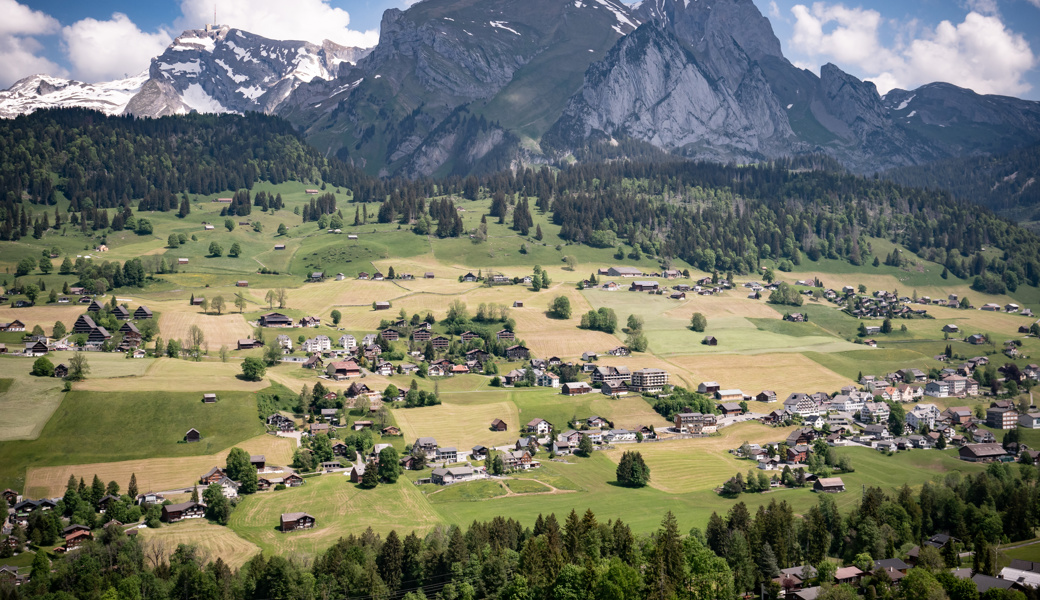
{"x":584,"y":557}
{"x":716,"y":217}
{"x":1004,"y":182}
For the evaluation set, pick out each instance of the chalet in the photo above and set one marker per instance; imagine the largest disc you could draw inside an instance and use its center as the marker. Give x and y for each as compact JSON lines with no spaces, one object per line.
{"x":539,"y":426}
{"x":77,"y":538}
{"x":363,"y":276}
{"x":829,"y":485}
{"x":678,"y":296}
{"x":976,"y":339}
{"x":95,"y":306}
{"x":83,"y":324}
{"x":518,"y":459}
{"x":293,"y":480}
{"x":314,"y":361}
{"x":258,"y":460}
{"x":499,"y":425}
{"x":357,"y":389}
{"x":730,"y":408}
{"x":39,"y":348}
{"x":390,"y":430}
{"x":518,"y":353}
{"x":296,"y":520}
{"x":193,"y":435}
{"x":142,"y":312}
{"x":121,"y":312}
{"x":644,"y":286}
{"x":344,"y":369}
{"x":212,"y":476}
{"x":710,"y":340}
{"x":317,"y":276}
{"x":310,"y":322}
{"x":766,"y":396}
{"x":982,"y":452}
{"x":377,"y":276}
{"x":249,"y":344}
{"x":436,"y":371}
{"x":171,"y":513}
{"x":129,"y":329}
{"x":576,"y":388}
{"x":386,"y":369}
{"x":275,"y":320}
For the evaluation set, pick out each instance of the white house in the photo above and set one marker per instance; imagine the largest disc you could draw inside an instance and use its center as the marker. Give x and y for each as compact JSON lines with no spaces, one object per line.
{"x":347,"y":341}
{"x":922,"y":414}
{"x":938,"y":389}
{"x":284,"y":342}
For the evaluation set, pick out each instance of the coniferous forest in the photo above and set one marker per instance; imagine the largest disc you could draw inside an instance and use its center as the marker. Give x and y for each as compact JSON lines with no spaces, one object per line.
{"x":715,"y":217}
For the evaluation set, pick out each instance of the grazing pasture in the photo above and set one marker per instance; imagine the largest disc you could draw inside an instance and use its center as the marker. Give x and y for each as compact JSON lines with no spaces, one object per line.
{"x":220,"y":330}
{"x":462,"y":426}
{"x":213,"y":541}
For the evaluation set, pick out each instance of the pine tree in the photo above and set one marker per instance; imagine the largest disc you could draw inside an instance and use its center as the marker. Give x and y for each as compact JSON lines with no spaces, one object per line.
{"x":390,"y":560}
{"x":131,"y":490}
{"x":370,"y":479}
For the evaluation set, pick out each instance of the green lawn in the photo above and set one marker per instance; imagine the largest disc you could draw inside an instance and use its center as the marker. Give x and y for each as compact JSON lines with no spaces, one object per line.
{"x":111,"y":426}
{"x":469,"y":491}
{"x":526,"y":486}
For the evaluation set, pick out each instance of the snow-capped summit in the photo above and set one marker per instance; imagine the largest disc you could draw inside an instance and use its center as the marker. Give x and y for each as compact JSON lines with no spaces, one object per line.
{"x":217,"y":69}
{"x":43,"y":91}
{"x":221,"y":69}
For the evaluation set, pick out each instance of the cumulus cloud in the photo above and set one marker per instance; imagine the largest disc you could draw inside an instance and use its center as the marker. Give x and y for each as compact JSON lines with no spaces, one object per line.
{"x":309,"y":20}
{"x":112,"y":49}
{"x":19,"y":50}
{"x":979,"y":53}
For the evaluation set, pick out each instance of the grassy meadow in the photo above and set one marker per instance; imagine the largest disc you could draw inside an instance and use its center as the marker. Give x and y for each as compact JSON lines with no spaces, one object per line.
{"x":129,"y":416}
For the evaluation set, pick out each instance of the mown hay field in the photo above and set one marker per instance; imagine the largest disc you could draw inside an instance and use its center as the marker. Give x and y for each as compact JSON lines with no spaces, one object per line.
{"x":154,"y":474}
{"x":28,"y":402}
{"x":219,"y":330}
{"x":783,"y":373}
{"x":462,"y":426}
{"x":211,"y":540}
{"x":174,"y":375}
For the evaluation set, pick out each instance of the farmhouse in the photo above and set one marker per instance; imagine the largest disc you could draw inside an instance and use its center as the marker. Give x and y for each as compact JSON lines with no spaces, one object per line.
{"x":171,"y":513}
{"x":829,"y":485}
{"x":518,"y":353}
{"x":275,"y":320}
{"x":344,"y":369}
{"x":539,"y":426}
{"x":982,"y":452}
{"x":576,"y":388}
{"x":623,"y":272}
{"x":643,"y":286}
{"x":729,"y":395}
{"x":296,"y":520}
{"x":249,"y":344}
{"x":444,"y":476}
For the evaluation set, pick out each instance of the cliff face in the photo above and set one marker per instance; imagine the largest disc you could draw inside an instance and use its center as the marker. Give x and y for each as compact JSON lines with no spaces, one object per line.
{"x":653,"y":88}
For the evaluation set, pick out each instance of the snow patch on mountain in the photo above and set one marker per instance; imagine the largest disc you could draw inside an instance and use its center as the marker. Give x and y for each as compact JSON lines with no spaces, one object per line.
{"x":42,"y":91}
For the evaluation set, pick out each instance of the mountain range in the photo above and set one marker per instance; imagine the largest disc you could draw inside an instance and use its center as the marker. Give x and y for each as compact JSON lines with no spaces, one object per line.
{"x":458,"y":86}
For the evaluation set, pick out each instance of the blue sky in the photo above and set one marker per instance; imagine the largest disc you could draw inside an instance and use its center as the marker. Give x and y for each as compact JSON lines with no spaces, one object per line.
{"x":991,"y":46}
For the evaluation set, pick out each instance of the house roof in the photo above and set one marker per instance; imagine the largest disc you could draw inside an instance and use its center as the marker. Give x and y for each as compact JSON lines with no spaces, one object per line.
{"x":294,"y":516}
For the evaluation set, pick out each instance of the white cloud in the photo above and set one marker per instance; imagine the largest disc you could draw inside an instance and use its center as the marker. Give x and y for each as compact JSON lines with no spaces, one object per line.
{"x":112,"y":49}
{"x":979,"y":53}
{"x":309,"y":20}
{"x":986,"y":7}
{"x":19,"y":51}
{"x":774,"y":10}
{"x":1035,"y":3}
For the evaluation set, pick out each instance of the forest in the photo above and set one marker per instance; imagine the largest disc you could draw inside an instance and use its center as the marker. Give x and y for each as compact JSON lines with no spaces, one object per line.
{"x":582,"y":556}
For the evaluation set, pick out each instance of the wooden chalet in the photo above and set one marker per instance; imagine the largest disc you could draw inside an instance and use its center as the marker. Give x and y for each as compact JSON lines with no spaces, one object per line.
{"x":61,"y":371}
{"x":84,"y":324}
{"x":440,"y":343}
{"x":275,"y":320}
{"x":296,"y":520}
{"x":95,"y":307}
{"x":249,"y":344}
{"x":171,"y":513}
{"x":121,"y":312}
{"x":142,"y":312}
{"x":212,"y":476}
{"x":193,"y":435}
{"x":518,"y":352}
{"x":829,"y":485}
{"x":77,"y":538}
{"x":505,"y":336}
{"x":293,"y":480}
{"x":499,"y":425}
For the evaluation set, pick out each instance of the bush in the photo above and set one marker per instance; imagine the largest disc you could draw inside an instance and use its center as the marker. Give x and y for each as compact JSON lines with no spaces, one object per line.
{"x":698,"y":322}
{"x":43,"y":367}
